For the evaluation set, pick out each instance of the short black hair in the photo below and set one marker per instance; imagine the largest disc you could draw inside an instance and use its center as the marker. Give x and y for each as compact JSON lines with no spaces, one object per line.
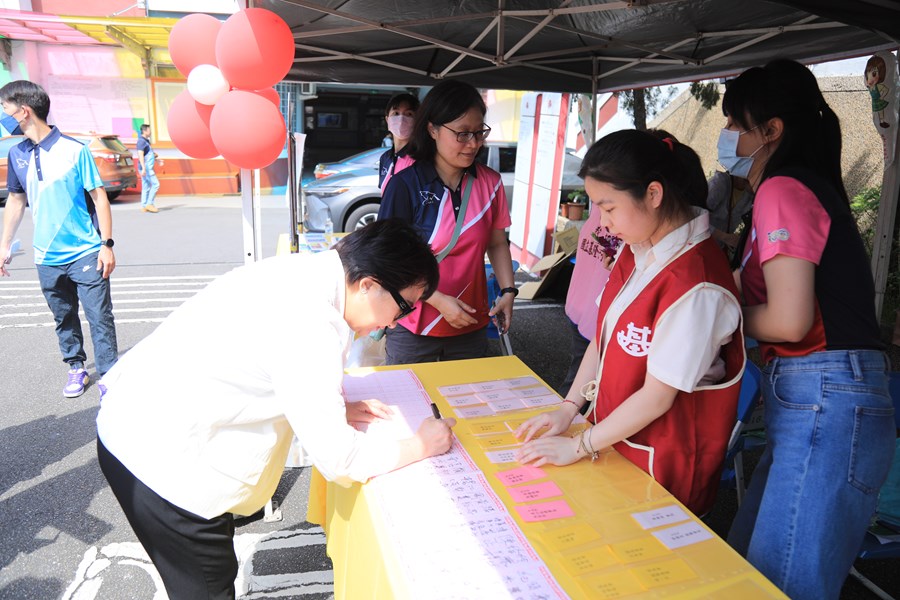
{"x":447,"y":101}
{"x":391,"y":252}
{"x":25,"y":93}
{"x":629,"y":160}
{"x":145,"y":127}
{"x":401,"y":98}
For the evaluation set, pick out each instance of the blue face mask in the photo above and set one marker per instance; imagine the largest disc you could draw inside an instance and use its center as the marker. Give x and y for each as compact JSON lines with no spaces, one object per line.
{"x":739,"y":166}
{"x":10,"y":124}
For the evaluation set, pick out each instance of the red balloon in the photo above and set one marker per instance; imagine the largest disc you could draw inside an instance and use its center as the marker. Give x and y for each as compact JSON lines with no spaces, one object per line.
{"x":254,"y":49}
{"x":269,"y":94}
{"x":247,"y":129}
{"x":192,"y":42}
{"x":188,"y":125}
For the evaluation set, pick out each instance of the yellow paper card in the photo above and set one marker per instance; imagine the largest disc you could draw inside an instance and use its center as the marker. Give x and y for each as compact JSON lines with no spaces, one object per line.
{"x":663,"y":573}
{"x":639,"y":549}
{"x":611,"y":585}
{"x":486,"y":428}
{"x":498,"y":441}
{"x":513,"y":424}
{"x":570,"y":536}
{"x":584,"y":561}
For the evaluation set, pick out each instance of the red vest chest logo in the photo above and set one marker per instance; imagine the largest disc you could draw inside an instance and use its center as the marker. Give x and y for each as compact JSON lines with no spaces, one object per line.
{"x":635,"y":340}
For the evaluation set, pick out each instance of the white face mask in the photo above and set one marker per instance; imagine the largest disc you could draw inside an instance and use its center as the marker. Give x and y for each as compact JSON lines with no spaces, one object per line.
{"x":739,"y":166}
{"x":400,"y":126}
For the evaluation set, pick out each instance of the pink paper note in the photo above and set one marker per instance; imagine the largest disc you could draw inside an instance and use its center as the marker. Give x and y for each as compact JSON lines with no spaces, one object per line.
{"x":520,"y":475}
{"x":545,"y":511}
{"x":535,"y":491}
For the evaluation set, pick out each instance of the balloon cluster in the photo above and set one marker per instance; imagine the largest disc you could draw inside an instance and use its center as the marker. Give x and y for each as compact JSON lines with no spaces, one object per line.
{"x":230,"y":107}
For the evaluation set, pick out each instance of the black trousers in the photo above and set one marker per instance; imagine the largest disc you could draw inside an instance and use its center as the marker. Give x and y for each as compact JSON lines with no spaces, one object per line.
{"x":194,"y":556}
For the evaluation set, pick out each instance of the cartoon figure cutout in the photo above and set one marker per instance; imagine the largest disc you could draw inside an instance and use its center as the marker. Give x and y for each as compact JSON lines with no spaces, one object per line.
{"x":875,"y":73}
{"x":882,"y":81}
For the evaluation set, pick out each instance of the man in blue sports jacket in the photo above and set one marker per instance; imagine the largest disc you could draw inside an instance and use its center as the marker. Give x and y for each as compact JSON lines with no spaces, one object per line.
{"x":73,"y":245}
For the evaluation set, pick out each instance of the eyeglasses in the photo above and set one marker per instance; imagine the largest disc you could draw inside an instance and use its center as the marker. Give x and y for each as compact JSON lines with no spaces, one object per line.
{"x":405,"y":307}
{"x":464,"y":137}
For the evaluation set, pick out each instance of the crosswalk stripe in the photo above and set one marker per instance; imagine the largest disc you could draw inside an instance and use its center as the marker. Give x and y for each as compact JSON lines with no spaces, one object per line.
{"x":138,"y":300}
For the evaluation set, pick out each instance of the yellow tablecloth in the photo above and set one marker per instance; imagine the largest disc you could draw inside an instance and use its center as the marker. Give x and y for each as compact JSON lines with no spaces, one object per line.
{"x":617,"y":558}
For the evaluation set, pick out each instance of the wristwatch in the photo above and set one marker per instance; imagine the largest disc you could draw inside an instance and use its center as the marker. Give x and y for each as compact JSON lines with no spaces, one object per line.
{"x":108,"y":243}
{"x":510,"y":290}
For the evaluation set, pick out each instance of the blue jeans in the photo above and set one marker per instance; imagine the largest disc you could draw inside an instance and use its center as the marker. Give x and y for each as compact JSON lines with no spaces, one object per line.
{"x":830,"y":432}
{"x":149,"y":186}
{"x":63,"y":287}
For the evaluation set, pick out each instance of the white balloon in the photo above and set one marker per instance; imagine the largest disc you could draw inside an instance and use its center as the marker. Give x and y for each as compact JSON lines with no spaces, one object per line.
{"x":206,"y":84}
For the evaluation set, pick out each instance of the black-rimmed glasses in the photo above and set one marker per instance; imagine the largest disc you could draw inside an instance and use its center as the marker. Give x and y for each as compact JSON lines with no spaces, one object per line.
{"x":464,"y":137}
{"x":405,"y":307}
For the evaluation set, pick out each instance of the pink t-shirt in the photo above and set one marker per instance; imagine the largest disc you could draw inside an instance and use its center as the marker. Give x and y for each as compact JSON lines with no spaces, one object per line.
{"x":588,"y":278}
{"x":788,"y":220}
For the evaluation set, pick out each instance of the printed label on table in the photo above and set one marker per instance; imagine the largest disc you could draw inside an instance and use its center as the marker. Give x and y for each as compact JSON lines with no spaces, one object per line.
{"x":470,"y":412}
{"x":683,"y":535}
{"x":522,"y":381}
{"x":501,"y":456}
{"x":611,"y":585}
{"x":489,"y":386}
{"x":545,"y":511}
{"x":570,"y":536}
{"x":639,"y":549}
{"x":535,"y":491}
{"x":536,"y":401}
{"x":496,"y":395}
{"x":506,"y":405}
{"x":663,"y":573}
{"x":520,"y":475}
{"x":464,"y":400}
{"x":455,"y":390}
{"x":667,"y":515}
{"x":532,"y":392}
{"x":585,"y":561}
{"x":487,"y":428}
{"x":502,"y":440}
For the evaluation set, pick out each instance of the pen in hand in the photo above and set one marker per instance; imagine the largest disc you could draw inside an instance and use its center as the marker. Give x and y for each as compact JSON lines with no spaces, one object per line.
{"x":435,"y":411}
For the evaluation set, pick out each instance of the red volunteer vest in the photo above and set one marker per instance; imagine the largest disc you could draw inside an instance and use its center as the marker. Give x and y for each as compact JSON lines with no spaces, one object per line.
{"x":683,"y":449}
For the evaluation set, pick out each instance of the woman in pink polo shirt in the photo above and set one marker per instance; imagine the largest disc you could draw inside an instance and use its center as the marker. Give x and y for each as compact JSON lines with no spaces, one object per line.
{"x":459,"y":207}
{"x":809,"y":299}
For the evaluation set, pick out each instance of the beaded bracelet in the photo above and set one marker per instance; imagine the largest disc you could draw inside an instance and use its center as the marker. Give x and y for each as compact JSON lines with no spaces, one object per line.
{"x":572,"y":403}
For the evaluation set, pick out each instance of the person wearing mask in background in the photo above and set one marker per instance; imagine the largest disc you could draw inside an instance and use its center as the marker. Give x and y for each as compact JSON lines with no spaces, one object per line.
{"x":400,"y":115}
{"x":809,"y":299}
{"x":730,"y":198}
{"x":73,"y":245}
{"x":147,"y":170}
{"x":593,"y":259}
{"x":459,"y":207}
{"x":251,"y":360}
{"x":663,"y":375}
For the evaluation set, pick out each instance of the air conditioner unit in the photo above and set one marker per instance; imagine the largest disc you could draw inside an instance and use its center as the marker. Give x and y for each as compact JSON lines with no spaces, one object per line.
{"x":307,"y":88}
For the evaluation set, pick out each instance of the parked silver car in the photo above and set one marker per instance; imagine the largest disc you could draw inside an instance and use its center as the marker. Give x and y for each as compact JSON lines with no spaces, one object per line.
{"x":353,"y":197}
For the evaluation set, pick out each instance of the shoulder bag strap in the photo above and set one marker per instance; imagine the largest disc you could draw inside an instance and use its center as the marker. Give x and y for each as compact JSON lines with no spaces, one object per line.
{"x":459,"y":220}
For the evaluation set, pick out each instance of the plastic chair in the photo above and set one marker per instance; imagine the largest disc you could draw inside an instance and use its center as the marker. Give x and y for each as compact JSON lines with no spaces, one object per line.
{"x":493,"y":291}
{"x":871,"y":547}
{"x":747,"y":402}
